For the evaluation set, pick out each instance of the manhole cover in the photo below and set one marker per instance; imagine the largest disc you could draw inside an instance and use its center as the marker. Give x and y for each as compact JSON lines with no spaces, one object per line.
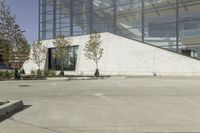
{"x":24,"y":85}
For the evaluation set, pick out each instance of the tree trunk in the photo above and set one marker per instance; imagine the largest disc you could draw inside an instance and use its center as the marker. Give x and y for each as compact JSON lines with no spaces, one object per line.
{"x":97,"y":66}
{"x":62,"y":69}
{"x":39,"y":66}
{"x":62,"y":66}
{"x":97,"y":70}
{"x":7,"y":66}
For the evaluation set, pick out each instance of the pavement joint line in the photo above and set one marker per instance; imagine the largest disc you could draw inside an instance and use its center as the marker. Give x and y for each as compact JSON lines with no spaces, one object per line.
{"x":33,"y":125}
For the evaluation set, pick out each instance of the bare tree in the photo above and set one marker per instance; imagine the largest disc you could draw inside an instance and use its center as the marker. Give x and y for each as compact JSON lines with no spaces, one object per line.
{"x":62,"y":44}
{"x":93,"y":50}
{"x":38,"y":54}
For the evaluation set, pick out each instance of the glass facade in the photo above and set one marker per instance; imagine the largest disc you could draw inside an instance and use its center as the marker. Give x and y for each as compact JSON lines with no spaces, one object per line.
{"x":70,"y":60}
{"x":169,"y":24}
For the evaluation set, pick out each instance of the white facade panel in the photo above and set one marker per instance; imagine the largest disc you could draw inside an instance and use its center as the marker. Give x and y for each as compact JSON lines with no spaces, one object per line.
{"x":123,"y":56}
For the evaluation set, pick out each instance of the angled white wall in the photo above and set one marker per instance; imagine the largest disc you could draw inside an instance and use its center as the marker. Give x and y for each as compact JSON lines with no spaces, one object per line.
{"x":123,"y":56}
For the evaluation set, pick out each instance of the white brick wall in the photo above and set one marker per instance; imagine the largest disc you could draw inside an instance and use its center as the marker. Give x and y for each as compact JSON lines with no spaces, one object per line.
{"x":123,"y":56}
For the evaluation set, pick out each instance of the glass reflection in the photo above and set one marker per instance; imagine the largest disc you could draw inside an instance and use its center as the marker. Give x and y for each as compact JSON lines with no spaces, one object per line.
{"x":70,"y":60}
{"x":157,"y":21}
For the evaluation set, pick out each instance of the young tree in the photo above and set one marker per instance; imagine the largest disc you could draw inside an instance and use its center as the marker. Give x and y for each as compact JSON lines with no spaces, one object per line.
{"x":93,"y":49}
{"x":5,"y":52}
{"x":11,"y":32}
{"x":22,"y":48}
{"x":61,"y":43}
{"x":38,"y":54}
{"x":6,"y":24}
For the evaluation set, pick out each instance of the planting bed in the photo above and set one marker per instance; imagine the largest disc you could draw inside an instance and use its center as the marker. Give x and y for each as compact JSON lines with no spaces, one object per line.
{"x":7,"y":108}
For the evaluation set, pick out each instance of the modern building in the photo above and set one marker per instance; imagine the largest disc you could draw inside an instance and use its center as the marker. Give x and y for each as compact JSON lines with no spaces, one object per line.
{"x":169,"y":28}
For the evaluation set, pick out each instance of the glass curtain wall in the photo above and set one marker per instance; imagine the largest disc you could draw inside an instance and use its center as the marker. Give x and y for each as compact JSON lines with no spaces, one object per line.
{"x":54,"y":18}
{"x":160,"y":23}
{"x":103,"y":15}
{"x":189,"y":27}
{"x":46,"y":19}
{"x":62,"y":17}
{"x":169,"y":24}
{"x":81,"y":17}
{"x":57,"y":17}
{"x":129,"y":18}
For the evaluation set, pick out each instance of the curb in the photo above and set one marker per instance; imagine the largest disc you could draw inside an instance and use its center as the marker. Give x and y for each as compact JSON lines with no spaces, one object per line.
{"x":77,"y":78}
{"x":10,"y":107}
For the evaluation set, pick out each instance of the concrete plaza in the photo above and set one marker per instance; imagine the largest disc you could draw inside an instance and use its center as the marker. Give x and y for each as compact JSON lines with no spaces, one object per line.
{"x":114,"y":105}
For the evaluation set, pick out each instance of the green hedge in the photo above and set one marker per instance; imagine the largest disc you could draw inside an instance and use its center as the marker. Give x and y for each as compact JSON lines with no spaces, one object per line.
{"x":6,"y":75}
{"x":49,"y":73}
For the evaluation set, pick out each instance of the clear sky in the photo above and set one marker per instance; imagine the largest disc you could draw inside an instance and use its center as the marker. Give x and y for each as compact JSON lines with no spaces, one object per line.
{"x":26,"y":12}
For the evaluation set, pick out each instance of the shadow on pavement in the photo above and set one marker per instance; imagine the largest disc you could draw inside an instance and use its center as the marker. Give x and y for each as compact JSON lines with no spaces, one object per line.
{"x":15,"y":112}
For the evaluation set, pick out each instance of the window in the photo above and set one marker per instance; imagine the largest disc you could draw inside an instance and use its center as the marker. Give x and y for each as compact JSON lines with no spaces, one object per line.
{"x":70,"y":62}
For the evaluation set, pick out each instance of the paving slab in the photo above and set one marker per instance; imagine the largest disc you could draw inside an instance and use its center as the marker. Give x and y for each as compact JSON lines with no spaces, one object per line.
{"x":114,"y":105}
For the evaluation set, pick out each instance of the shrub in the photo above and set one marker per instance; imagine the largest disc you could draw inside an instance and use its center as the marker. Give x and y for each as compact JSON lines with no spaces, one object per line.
{"x":39,"y":73}
{"x":28,"y":77}
{"x":16,"y":74}
{"x":33,"y":72}
{"x":46,"y":73}
{"x":22,"y":71}
{"x":52,"y":73}
{"x":96,"y":73}
{"x":6,"y":75}
{"x":1,"y":74}
{"x":49,"y":73}
{"x":61,"y":73}
{"x":4,"y":102}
